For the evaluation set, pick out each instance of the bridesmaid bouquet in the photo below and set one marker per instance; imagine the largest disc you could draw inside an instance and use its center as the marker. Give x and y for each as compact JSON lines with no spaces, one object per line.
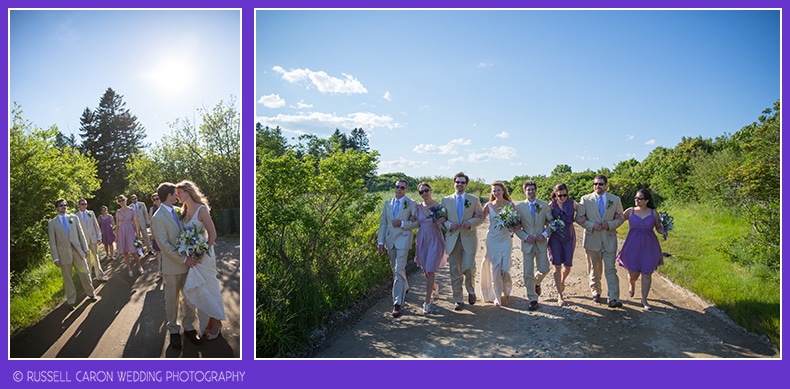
{"x":192,"y":243}
{"x":438,"y":212}
{"x":139,"y":246}
{"x":507,"y":218}
{"x":558,"y":225}
{"x":667,"y":221}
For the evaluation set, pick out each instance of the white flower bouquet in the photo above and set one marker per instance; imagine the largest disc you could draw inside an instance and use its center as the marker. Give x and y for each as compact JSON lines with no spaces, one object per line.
{"x":192,"y":243}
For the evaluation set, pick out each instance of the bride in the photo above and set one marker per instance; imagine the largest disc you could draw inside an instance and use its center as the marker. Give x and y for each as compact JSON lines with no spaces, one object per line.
{"x":202,"y":289}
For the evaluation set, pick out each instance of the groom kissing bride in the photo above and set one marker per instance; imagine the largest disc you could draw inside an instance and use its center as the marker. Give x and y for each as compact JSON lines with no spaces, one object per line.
{"x":193,"y":278}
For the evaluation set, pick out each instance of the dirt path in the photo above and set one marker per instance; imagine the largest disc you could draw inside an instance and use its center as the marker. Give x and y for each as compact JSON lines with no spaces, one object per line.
{"x":128,"y":321}
{"x":681,"y":325}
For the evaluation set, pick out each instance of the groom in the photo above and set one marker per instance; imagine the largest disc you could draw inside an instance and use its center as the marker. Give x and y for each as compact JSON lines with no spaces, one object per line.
{"x":167,"y":226}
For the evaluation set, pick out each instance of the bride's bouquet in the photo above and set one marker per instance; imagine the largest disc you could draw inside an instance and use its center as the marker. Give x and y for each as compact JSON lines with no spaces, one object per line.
{"x":507,"y":218}
{"x":192,"y":243}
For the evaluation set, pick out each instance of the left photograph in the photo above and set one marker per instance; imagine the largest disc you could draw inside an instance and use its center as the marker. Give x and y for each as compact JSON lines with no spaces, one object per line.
{"x":124,"y":183}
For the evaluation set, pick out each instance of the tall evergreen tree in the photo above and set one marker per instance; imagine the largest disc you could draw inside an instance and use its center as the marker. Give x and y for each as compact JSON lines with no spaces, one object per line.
{"x":111,"y":134}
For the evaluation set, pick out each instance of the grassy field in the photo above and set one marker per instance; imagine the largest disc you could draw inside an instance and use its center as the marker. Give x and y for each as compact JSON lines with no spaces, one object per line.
{"x":749,"y":295}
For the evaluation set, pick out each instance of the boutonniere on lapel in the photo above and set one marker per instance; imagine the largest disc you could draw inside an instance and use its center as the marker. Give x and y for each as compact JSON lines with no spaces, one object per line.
{"x":609,"y":204}
{"x":71,"y":221}
{"x":466,"y":203}
{"x":537,"y":207}
{"x":178,"y":212}
{"x":89,"y":215}
{"x":405,"y":204}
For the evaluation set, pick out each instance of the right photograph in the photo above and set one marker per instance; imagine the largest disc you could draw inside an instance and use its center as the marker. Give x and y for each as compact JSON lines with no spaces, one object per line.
{"x":518,"y":184}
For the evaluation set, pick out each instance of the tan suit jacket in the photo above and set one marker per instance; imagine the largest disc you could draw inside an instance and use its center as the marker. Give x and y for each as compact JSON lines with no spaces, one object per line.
{"x":67,"y":248}
{"x":603,"y":240}
{"x":534,"y":226}
{"x":143,"y":219}
{"x":91,"y":228}
{"x":166,"y":231}
{"x":468,"y":236}
{"x":397,"y":237}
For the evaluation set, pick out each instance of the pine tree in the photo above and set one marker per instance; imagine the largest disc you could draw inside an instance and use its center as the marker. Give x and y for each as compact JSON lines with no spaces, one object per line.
{"x":111,"y":134}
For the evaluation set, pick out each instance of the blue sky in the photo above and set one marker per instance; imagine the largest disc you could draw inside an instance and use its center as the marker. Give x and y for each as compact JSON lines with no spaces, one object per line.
{"x":498,"y":94}
{"x":165,"y":64}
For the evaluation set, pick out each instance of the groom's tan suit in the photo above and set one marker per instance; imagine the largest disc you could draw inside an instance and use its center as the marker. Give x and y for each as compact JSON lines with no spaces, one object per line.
{"x":601,"y":246}
{"x":70,"y":250}
{"x":174,"y":271}
{"x":461,"y":244}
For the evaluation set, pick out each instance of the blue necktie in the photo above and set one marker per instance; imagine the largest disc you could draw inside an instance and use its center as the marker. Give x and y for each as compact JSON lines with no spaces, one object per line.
{"x":65,"y":224}
{"x":173,"y":212}
{"x":600,"y":206}
{"x":532,"y":209}
{"x":395,"y":209}
{"x":459,"y":206}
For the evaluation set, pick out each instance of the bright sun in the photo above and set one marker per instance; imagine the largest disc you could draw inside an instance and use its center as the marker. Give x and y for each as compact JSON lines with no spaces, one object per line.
{"x":171,"y":76}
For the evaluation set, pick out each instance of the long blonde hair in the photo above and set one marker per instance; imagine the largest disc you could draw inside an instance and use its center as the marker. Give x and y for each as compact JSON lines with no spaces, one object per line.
{"x":194,"y":192}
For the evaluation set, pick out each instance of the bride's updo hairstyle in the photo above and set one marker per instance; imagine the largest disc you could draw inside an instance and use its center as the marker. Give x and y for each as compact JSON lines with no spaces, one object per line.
{"x":194,"y":192}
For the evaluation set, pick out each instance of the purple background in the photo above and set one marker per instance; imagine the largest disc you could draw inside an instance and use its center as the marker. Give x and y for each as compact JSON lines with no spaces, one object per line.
{"x":391,"y":373}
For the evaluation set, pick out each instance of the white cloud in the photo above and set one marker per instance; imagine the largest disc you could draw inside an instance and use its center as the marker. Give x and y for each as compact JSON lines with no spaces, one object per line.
{"x":503,"y":135}
{"x":627,"y":155}
{"x":399,"y":165}
{"x":586,"y":158}
{"x":651,"y":142}
{"x":484,"y":64}
{"x":272,"y":101}
{"x":323,"y":81}
{"x":453,"y":161}
{"x":449,"y":148}
{"x":630,"y":136}
{"x":321,"y":121}
{"x":302,"y":105}
{"x":387,"y":96}
{"x":497,"y":153}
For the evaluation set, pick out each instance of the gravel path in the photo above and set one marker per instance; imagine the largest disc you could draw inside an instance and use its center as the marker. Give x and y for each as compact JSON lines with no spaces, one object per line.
{"x":681,"y":325}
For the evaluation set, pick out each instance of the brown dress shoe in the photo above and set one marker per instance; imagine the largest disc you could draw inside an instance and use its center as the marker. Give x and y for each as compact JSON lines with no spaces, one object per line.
{"x":459,"y":306}
{"x":472,"y":299}
{"x":396,"y":311}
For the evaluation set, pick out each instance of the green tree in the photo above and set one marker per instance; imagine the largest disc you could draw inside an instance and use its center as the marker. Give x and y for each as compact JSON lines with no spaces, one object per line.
{"x":111,"y":134}
{"x":316,"y":231}
{"x":208,"y":154}
{"x":39,"y":174}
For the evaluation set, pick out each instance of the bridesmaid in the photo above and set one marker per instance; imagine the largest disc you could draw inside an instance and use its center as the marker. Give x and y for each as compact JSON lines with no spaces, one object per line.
{"x":641,"y":252}
{"x":429,"y":250}
{"x":127,"y":233}
{"x":107,"y":225}
{"x":562,"y":242}
{"x":495,"y":278}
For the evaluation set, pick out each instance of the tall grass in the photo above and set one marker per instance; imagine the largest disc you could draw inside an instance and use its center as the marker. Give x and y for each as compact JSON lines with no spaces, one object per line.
{"x":749,"y":295}
{"x":34,"y":294}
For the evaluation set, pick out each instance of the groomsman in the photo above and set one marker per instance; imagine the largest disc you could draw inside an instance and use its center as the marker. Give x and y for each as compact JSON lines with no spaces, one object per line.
{"x":464,"y":214}
{"x":535,"y":218}
{"x":90,"y":226}
{"x":143,"y":221}
{"x":69,"y":249}
{"x":395,"y":234}
{"x":600,"y":213}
